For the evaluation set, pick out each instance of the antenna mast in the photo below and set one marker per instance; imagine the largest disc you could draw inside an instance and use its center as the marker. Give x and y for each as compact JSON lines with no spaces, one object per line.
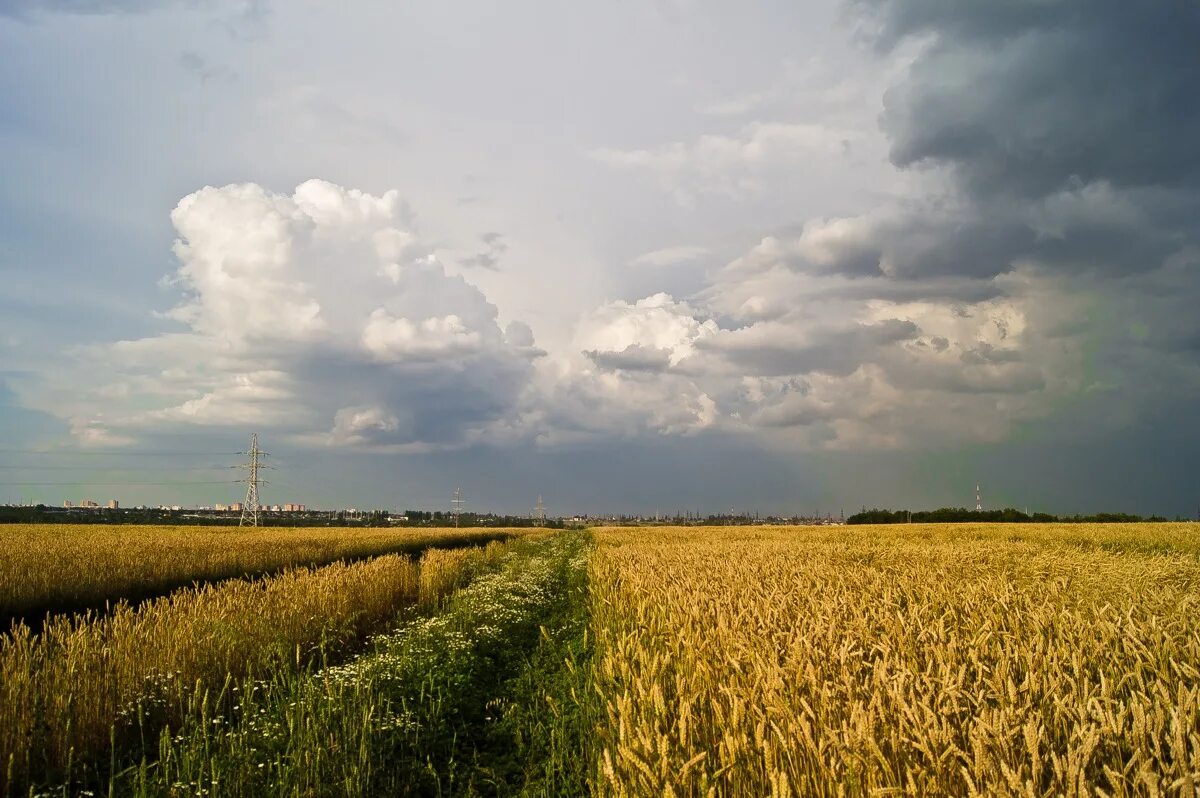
{"x":250,"y":506}
{"x":539,"y":512}
{"x":978,"y":500}
{"x":456,"y":505}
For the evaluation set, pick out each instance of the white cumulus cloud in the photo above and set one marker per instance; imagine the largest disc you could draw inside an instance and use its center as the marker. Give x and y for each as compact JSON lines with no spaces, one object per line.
{"x":319,"y":315}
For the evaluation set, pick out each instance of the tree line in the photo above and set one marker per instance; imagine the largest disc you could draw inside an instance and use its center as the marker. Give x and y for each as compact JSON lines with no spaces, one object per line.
{"x":1008,"y":515}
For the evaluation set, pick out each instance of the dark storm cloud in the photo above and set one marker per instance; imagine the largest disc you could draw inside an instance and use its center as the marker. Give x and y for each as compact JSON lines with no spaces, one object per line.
{"x":1068,"y":128}
{"x":1092,"y":227}
{"x":1065,"y":137}
{"x":1024,"y":97}
{"x":934,"y":239}
{"x":1048,"y":253}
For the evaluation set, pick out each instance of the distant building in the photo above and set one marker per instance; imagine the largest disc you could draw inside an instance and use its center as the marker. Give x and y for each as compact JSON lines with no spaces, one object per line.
{"x":236,"y":507}
{"x":293,"y":508}
{"x":88,"y":503}
{"x":68,"y":503}
{"x":113,"y":504}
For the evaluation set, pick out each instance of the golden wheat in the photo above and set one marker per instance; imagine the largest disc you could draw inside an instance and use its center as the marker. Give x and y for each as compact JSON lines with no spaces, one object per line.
{"x":50,"y":567}
{"x":69,"y":689}
{"x":927,"y":660}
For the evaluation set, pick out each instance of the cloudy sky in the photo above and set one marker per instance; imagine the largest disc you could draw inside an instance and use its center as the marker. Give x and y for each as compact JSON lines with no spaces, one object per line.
{"x":636,"y":255}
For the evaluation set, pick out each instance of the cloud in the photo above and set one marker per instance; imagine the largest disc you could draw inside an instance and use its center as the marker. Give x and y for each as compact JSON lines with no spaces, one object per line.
{"x":731,"y":165}
{"x":204,"y":71}
{"x":489,"y":257}
{"x":840,"y":362}
{"x":395,"y":340}
{"x":792,"y":78}
{"x":783,"y":348}
{"x":317,"y":315}
{"x":357,"y":426}
{"x":1029,"y":97}
{"x":634,"y":357}
{"x":656,"y":324}
{"x":574,"y":406}
{"x":241,"y":19}
{"x":23,"y":8}
{"x":1024,"y":271}
{"x":1032,"y":251}
{"x":810,"y":82}
{"x":670,"y":256}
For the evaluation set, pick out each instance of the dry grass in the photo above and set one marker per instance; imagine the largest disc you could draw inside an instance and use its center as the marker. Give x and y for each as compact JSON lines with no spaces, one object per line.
{"x":926,"y":660}
{"x":55,"y":568}
{"x":82,"y":682}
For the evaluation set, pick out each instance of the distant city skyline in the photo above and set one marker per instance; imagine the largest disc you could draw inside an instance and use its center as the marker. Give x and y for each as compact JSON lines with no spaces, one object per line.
{"x":674,"y":253}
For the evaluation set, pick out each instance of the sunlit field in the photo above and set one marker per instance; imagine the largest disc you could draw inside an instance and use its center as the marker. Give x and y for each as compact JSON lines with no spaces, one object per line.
{"x":57,"y":567}
{"x":950,"y":660}
{"x":895,"y":660}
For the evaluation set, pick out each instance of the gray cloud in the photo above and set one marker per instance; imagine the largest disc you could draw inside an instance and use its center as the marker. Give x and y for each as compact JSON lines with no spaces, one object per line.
{"x":1011,"y":242}
{"x":203,"y":69}
{"x":248,"y":9}
{"x":1046,"y":251}
{"x":489,"y":257}
{"x":634,"y":357}
{"x":240,"y":19}
{"x":1027,"y":96}
{"x":764,"y":350}
{"x":26,"y":8}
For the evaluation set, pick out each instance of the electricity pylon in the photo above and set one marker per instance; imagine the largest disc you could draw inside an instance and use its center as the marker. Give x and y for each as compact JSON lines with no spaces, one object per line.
{"x":250,"y":506}
{"x":456,"y":505}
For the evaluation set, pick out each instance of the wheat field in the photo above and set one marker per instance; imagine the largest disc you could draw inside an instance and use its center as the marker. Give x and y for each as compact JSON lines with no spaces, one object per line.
{"x":905,"y":660}
{"x":70,"y":689}
{"x":990,"y":659}
{"x":63,"y":567}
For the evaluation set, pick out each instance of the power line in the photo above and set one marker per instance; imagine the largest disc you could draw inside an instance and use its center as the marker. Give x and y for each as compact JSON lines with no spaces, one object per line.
{"x":113,"y":468}
{"x":113,"y":453}
{"x":110,"y":484}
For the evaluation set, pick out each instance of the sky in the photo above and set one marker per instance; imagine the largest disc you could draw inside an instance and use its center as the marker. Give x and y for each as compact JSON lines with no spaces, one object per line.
{"x":656,"y":256}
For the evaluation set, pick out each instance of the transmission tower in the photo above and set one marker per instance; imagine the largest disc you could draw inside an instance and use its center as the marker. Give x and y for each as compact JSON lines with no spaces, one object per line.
{"x":539,"y":512}
{"x":978,"y":500}
{"x":457,"y":504}
{"x":250,"y":506}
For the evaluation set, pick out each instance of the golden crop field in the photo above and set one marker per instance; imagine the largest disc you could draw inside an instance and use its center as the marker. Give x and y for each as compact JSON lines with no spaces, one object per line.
{"x":57,"y":567}
{"x":903,"y":660}
{"x":991,"y":659}
{"x":68,"y":689}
